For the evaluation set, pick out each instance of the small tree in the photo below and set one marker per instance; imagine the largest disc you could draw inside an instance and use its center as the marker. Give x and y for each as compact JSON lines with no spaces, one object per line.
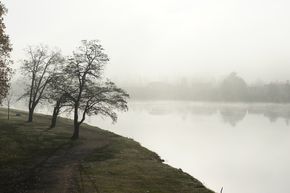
{"x":5,"y":49}
{"x":102,"y":100}
{"x":10,"y":98}
{"x":56,"y":95}
{"x":40,"y":66}
{"x":87,"y":92}
{"x":60,"y":101}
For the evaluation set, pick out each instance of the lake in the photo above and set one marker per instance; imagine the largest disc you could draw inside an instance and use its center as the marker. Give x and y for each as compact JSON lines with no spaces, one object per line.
{"x":243,"y":148}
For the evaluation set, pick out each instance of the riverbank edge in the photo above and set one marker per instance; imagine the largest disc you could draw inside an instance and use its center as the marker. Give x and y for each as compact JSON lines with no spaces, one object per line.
{"x":113,"y":158}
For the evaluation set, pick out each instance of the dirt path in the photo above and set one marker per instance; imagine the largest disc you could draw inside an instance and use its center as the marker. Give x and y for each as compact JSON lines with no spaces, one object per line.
{"x":59,"y":172}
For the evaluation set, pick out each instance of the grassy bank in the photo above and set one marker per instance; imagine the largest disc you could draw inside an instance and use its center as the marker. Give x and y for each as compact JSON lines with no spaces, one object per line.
{"x":36,"y":159}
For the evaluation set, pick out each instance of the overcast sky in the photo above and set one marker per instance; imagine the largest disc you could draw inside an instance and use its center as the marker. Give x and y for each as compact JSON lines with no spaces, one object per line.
{"x":161,"y":39}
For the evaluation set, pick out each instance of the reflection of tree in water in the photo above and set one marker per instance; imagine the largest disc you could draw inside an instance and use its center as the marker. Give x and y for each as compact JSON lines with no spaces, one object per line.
{"x":233,"y":115}
{"x":230,"y":113}
{"x":181,"y":108}
{"x":202,"y":110}
{"x":273,"y":112}
{"x":273,"y":116}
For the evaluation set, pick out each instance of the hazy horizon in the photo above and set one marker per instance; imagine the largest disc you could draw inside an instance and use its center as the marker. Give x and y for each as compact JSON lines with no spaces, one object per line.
{"x":163,"y":40}
{"x":204,"y":84}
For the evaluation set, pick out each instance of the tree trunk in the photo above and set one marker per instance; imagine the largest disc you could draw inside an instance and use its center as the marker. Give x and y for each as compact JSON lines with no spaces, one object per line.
{"x":8,"y":111}
{"x":76,"y":132}
{"x":54,"y":117}
{"x":76,"y":123}
{"x":30,"y":115}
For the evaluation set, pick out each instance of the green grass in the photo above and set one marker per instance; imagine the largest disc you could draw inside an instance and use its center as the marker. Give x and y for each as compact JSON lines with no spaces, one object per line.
{"x":23,"y":146}
{"x":125,"y":166}
{"x":116,"y":165}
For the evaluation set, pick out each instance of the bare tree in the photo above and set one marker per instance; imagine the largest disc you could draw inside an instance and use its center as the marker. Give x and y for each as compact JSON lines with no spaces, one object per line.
{"x":103,"y":99}
{"x":57,"y":96}
{"x":40,"y":66}
{"x":10,"y":98}
{"x":86,"y":91}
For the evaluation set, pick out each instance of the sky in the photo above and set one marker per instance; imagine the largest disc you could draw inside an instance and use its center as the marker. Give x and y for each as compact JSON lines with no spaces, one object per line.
{"x":163,"y":39}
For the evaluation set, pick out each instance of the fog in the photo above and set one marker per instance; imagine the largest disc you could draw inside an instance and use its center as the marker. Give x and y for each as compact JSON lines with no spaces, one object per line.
{"x":208,"y":80}
{"x":163,"y":40}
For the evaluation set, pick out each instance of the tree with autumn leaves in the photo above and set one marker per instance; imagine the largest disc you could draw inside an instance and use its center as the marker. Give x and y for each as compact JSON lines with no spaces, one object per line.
{"x":5,"y":49}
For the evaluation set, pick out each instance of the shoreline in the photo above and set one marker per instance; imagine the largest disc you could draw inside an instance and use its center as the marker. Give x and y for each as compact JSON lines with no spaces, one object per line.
{"x":99,"y":157}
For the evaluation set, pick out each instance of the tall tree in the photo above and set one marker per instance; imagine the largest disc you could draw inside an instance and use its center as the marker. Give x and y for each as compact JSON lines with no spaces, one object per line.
{"x":41,"y":66}
{"x":87,"y":91}
{"x":5,"y":49}
{"x":234,"y":88}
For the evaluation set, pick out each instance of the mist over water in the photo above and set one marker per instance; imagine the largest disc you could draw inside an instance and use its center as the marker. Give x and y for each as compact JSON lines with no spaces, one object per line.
{"x":239,"y":146}
{"x":233,"y":55}
{"x":243,"y":148}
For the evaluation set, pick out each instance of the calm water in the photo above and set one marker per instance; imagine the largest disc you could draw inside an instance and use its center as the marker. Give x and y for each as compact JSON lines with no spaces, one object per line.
{"x":243,"y":148}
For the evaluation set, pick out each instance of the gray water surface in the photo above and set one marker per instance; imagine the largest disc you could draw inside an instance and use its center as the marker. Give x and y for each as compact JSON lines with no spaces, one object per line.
{"x":244,"y":148}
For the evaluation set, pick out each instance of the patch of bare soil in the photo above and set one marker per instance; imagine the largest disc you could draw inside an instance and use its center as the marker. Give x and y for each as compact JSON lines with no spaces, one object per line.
{"x":60,"y":172}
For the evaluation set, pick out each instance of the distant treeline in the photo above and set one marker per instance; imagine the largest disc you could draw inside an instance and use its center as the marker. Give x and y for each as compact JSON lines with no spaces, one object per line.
{"x":232,"y":89}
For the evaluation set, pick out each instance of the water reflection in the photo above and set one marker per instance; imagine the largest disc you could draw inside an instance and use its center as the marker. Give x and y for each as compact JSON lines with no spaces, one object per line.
{"x":233,"y":115}
{"x":224,"y":145}
{"x":230,"y":114}
{"x":241,"y":147}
